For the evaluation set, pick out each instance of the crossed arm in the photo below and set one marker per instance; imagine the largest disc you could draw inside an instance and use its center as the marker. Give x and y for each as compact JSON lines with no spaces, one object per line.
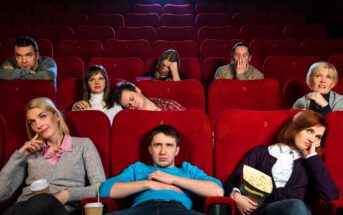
{"x":160,"y":180}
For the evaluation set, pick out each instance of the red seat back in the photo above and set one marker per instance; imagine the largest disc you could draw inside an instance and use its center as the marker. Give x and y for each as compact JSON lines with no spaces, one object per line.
{"x":96,"y":126}
{"x":264,"y":94}
{"x":189,"y":93}
{"x":236,"y":132}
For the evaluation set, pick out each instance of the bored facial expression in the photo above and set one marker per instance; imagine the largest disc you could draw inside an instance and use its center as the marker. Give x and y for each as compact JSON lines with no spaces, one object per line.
{"x":163,"y":150}
{"x":164,"y":68}
{"x":308,"y":136}
{"x":26,"y":57}
{"x":241,"y":53}
{"x":97,"y":83}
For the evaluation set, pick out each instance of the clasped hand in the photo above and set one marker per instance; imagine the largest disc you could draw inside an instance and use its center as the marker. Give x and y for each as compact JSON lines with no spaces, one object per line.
{"x":160,"y":180}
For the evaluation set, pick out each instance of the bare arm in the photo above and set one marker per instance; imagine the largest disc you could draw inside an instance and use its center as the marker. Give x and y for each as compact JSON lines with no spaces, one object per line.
{"x":200,"y":187}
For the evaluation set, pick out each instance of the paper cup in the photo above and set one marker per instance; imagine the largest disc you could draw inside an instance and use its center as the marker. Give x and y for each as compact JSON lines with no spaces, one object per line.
{"x":40,"y":186}
{"x":94,"y":208}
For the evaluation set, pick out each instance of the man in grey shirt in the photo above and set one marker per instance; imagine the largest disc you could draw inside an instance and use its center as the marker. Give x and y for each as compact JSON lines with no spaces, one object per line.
{"x":26,"y":64}
{"x":240,"y":67}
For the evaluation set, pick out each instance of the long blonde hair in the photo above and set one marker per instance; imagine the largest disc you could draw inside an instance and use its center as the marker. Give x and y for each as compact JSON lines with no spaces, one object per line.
{"x":48,"y":105}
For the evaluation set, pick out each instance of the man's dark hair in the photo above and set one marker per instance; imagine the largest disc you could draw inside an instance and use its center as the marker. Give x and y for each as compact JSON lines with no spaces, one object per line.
{"x":116,"y":93}
{"x":237,"y":45}
{"x":167,"y":130}
{"x":26,"y":41}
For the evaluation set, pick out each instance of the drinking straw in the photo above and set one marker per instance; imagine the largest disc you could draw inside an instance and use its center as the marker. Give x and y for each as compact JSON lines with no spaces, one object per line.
{"x":97,"y":187}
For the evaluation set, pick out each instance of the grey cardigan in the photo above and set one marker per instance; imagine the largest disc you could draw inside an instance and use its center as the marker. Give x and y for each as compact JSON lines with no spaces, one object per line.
{"x":47,"y":70}
{"x":78,"y":171}
{"x":335,"y":102}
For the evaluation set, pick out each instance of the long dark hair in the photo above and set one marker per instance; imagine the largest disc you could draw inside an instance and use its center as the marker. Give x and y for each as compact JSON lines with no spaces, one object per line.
{"x":92,"y":70}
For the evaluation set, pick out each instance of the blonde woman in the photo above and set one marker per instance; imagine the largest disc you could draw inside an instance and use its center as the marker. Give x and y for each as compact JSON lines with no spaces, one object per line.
{"x":71,"y":165}
{"x":321,"y":78}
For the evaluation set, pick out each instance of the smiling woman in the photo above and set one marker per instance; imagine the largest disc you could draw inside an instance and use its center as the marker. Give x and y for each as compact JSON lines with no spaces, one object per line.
{"x":321,"y":78}
{"x":51,"y":154}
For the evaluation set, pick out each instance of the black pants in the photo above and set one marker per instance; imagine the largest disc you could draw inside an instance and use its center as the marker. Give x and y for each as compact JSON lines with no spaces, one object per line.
{"x":155,"y":207}
{"x":42,"y":204}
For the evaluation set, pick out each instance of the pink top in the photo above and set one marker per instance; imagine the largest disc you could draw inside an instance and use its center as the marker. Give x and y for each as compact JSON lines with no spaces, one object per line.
{"x":52,"y":156}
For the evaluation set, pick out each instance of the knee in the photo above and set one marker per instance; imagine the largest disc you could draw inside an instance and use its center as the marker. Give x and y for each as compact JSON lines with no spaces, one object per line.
{"x":297,"y":206}
{"x":45,"y":198}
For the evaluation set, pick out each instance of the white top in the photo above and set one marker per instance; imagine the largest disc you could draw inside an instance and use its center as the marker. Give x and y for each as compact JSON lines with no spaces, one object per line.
{"x":283,"y":166}
{"x":97,"y":102}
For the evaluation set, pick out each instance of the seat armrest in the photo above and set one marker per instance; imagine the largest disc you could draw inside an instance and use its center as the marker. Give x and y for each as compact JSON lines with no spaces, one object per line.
{"x":330,"y":207}
{"x":219,"y":205}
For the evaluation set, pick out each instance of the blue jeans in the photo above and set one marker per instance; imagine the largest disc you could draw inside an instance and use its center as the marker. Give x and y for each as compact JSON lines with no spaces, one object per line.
{"x":287,"y":207}
{"x":154,"y":207}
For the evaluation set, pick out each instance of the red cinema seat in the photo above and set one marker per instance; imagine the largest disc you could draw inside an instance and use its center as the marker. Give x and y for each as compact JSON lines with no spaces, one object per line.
{"x":178,"y":9}
{"x":87,"y":8}
{"x":124,"y":68}
{"x":127,"y":48}
{"x":190,"y":93}
{"x":195,"y":140}
{"x":101,"y":33}
{"x":263,"y":48}
{"x":186,"y":48}
{"x":146,"y":8}
{"x":48,"y":7}
{"x":218,"y":33}
{"x":69,"y":67}
{"x":44,"y":46}
{"x":332,"y":159}
{"x":337,"y":61}
{"x":167,"y":19}
{"x":249,"y":18}
{"x":69,"y":92}
{"x":321,"y":47}
{"x":53,"y":32}
{"x":22,"y":18}
{"x":107,"y":19}
{"x":73,"y":19}
{"x":213,"y":20}
{"x":84,"y":49}
{"x":283,"y":18}
{"x":142,"y":19}
{"x":209,"y":68}
{"x":189,"y":66}
{"x":247,"y":6}
{"x":176,"y":33}
{"x":134,"y":33}
{"x":250,"y":32}
{"x":305,"y":31}
{"x":14,"y":31}
{"x":96,"y":126}
{"x":114,"y":7}
{"x":18,"y":94}
{"x":211,"y":64}
{"x":217,"y":48}
{"x":209,"y":7}
{"x":231,"y":141}
{"x":297,"y":88}
{"x":264,"y":94}
{"x":285,"y":68}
